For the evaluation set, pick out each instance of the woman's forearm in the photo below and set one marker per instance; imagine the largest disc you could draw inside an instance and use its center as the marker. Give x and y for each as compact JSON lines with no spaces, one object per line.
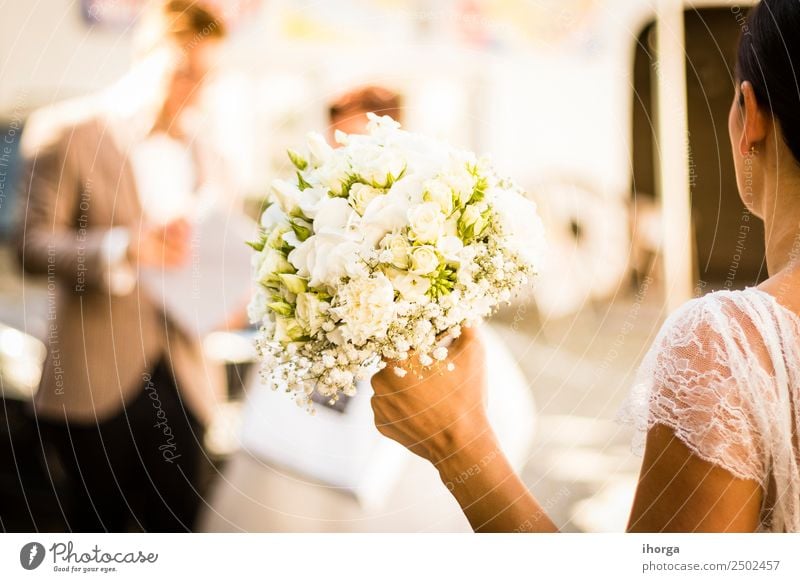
{"x":490,"y":493}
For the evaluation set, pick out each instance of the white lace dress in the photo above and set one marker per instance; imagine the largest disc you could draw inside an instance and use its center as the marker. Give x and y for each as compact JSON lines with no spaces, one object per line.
{"x":724,"y":375}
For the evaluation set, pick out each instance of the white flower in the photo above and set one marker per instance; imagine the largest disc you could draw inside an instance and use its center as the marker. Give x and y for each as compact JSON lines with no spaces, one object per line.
{"x":426,"y":221}
{"x":271,"y":264}
{"x":328,"y":257}
{"x":399,"y":249}
{"x":460,"y":181}
{"x":380,"y":123}
{"x":287,"y":330}
{"x":341,"y":137}
{"x":318,"y":149}
{"x":381,"y":167}
{"x":257,"y":308}
{"x":275,"y":237}
{"x":310,"y":199}
{"x":361,"y":195}
{"x":520,"y":223}
{"x":333,"y":174}
{"x":384,"y":271}
{"x":383,"y":215}
{"x":440,"y":193}
{"x":472,"y":222}
{"x":273,"y":216}
{"x":366,"y":308}
{"x":424,"y":260}
{"x":333,"y":215}
{"x":411,"y":287}
{"x":450,"y":247}
{"x":285,"y":194}
{"x":310,"y":312}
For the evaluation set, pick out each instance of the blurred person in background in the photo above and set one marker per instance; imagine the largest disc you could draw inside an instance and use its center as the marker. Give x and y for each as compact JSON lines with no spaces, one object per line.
{"x":348,"y":112}
{"x":124,"y":392}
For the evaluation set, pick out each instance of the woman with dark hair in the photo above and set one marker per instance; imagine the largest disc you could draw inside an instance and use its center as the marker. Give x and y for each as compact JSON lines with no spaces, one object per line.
{"x":716,"y":403}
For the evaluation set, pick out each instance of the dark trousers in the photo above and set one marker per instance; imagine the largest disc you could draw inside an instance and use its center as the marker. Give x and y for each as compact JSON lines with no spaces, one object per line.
{"x":137,"y":471}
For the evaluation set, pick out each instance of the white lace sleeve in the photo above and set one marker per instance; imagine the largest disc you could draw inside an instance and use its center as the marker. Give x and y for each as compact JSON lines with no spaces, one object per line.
{"x":697,"y":380}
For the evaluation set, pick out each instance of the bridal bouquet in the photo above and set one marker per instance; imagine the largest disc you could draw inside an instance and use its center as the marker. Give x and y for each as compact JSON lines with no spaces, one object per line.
{"x":387,"y":244}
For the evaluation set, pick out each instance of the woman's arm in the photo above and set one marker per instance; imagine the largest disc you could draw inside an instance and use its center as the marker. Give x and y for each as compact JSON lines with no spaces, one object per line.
{"x":680,"y":492}
{"x":440,"y":416}
{"x":490,"y":493}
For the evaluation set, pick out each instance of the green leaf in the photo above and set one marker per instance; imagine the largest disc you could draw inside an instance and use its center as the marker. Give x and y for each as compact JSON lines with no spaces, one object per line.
{"x":259,"y":244}
{"x":301,"y":182}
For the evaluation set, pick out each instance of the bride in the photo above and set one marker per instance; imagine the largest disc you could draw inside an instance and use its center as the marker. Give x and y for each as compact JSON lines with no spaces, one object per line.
{"x":717,"y":399}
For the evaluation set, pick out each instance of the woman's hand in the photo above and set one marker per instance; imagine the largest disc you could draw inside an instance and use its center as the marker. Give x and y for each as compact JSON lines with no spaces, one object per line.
{"x":439,"y":414}
{"x":438,"y":410}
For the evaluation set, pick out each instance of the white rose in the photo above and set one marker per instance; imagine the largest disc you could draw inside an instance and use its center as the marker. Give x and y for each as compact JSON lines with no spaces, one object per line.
{"x":460,"y":181}
{"x":361,"y":195}
{"x":366,"y":308}
{"x":310,"y":312}
{"x":440,"y":193}
{"x":318,"y":149}
{"x":472,"y":222}
{"x":426,"y":221}
{"x":399,"y":248}
{"x":450,"y":247}
{"x":424,"y":260}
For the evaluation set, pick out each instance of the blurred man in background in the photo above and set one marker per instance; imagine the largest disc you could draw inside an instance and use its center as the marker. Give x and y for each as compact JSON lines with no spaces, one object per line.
{"x":124,"y":392}
{"x":348,"y":112}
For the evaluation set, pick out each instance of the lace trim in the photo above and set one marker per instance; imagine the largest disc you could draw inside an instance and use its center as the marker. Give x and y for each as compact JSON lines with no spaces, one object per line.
{"x":723,"y":375}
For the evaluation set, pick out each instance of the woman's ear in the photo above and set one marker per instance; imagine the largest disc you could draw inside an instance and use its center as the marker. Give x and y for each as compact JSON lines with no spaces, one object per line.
{"x":756,"y":122}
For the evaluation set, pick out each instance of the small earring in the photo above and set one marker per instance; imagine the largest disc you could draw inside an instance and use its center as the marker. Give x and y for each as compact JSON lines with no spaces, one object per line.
{"x":753,"y":151}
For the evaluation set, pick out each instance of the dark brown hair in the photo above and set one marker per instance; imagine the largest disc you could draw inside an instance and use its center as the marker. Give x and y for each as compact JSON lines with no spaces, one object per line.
{"x":367,"y":99}
{"x":185,"y":20}
{"x":769,"y":58}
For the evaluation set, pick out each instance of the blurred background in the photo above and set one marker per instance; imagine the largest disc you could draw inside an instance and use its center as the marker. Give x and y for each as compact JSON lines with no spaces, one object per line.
{"x":584,"y":102}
